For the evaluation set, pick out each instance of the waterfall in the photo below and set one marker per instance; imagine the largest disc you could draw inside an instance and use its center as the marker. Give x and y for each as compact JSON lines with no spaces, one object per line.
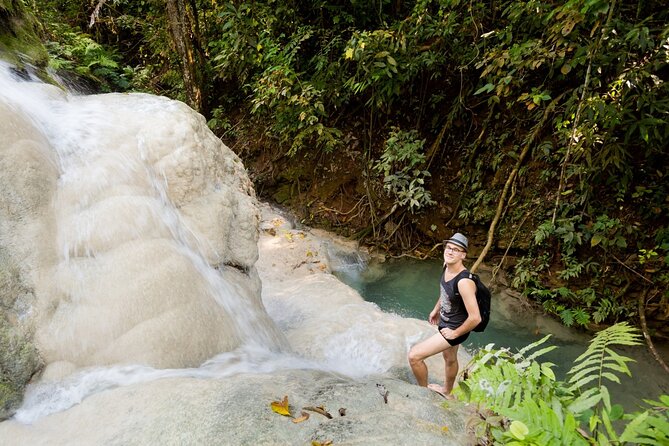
{"x":137,"y":231}
{"x":143,"y":233}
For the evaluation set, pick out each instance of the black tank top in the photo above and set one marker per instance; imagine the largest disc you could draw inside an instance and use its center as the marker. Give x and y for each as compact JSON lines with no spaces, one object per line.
{"x":452,"y":312}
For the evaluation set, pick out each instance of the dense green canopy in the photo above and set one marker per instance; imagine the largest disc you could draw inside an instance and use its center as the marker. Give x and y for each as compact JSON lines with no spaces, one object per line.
{"x":538,"y":126}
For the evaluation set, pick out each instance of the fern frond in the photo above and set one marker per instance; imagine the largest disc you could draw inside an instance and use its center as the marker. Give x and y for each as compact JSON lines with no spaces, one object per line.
{"x":599,"y":359}
{"x":587,"y":400}
{"x":541,"y":352}
{"x":650,"y":427}
{"x":584,"y":373}
{"x":615,"y":360}
{"x":532,"y":346}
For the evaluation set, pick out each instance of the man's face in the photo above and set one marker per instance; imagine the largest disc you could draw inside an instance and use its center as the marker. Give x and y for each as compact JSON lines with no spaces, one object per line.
{"x":453,"y":253}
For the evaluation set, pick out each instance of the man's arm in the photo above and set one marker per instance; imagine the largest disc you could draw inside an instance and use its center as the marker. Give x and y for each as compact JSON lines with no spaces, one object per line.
{"x":434,"y":314}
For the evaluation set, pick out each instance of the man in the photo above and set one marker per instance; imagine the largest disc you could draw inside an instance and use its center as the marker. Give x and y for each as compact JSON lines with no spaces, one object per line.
{"x":455,"y":316}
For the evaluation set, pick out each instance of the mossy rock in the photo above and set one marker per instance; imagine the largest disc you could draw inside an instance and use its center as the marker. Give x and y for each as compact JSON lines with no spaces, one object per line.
{"x":10,"y":284}
{"x":19,"y":357}
{"x":19,"y":40}
{"x":19,"y":361}
{"x":283,"y":193}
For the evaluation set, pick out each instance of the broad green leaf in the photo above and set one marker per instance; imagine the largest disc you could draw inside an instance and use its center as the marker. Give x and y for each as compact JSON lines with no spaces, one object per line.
{"x":583,"y":404}
{"x":606,"y":420}
{"x":518,"y":429}
{"x":616,"y":412}
{"x":548,"y":371}
{"x":596,"y":239}
{"x":487,"y":88}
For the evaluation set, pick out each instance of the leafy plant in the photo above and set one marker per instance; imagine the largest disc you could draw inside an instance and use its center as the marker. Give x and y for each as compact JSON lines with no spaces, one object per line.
{"x":537,"y":409}
{"x":581,"y":84}
{"x":400,"y":166}
{"x":74,"y":51}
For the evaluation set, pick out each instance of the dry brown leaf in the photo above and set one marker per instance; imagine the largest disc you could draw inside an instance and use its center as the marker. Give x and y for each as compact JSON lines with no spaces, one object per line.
{"x":281,"y":407}
{"x":320,"y":409}
{"x":304,"y":417}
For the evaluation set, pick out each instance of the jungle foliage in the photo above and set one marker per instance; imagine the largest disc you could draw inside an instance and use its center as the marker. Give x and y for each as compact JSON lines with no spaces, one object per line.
{"x":522,"y":403}
{"x":554,"y":112}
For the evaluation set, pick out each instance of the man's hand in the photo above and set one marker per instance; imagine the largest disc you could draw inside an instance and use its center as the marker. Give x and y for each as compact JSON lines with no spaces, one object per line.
{"x":448,"y":333}
{"x":434,"y":317}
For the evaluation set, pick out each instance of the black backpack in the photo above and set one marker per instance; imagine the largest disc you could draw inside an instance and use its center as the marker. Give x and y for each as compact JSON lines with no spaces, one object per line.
{"x":483,"y":298}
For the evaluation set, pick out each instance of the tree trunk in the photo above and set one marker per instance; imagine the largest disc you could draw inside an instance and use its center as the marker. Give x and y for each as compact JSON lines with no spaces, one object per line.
{"x":181,"y":30}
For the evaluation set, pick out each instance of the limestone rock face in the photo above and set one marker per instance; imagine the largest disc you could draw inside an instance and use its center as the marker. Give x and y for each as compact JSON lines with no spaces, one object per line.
{"x":236,"y":411}
{"x":124,"y":213}
{"x":341,"y":348}
{"x":27,"y":177}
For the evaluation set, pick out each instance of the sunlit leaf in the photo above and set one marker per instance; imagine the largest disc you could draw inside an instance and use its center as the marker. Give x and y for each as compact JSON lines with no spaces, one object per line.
{"x":547,"y":371}
{"x":518,"y":429}
{"x":487,"y":88}
{"x":281,"y":407}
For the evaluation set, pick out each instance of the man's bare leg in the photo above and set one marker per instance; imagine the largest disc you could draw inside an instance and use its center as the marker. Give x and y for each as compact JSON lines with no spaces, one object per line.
{"x":450,"y":371}
{"x":451,"y":368}
{"x":423,"y":350}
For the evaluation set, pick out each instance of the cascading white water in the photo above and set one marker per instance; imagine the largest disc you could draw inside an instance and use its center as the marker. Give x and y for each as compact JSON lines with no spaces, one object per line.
{"x":144,"y":213}
{"x":113,"y":203}
{"x":138,"y":231}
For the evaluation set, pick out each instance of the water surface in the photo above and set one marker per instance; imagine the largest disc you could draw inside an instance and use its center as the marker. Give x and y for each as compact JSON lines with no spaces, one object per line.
{"x":410,"y":288}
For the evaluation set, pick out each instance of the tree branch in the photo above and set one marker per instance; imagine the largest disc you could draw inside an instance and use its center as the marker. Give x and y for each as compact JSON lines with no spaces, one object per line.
{"x":96,"y":13}
{"x":512,"y":176}
{"x":646,"y":334}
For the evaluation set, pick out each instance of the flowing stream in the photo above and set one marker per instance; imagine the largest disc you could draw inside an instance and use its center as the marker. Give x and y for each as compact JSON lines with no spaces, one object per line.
{"x":409,"y":288}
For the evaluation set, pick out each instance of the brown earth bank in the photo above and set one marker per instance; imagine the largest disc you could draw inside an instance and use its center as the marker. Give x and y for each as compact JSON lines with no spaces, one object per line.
{"x":332,"y":191}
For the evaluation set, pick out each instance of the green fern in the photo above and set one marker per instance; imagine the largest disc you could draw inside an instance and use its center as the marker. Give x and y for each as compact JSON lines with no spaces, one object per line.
{"x":650,"y":426}
{"x":530,"y":407}
{"x":599,"y":362}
